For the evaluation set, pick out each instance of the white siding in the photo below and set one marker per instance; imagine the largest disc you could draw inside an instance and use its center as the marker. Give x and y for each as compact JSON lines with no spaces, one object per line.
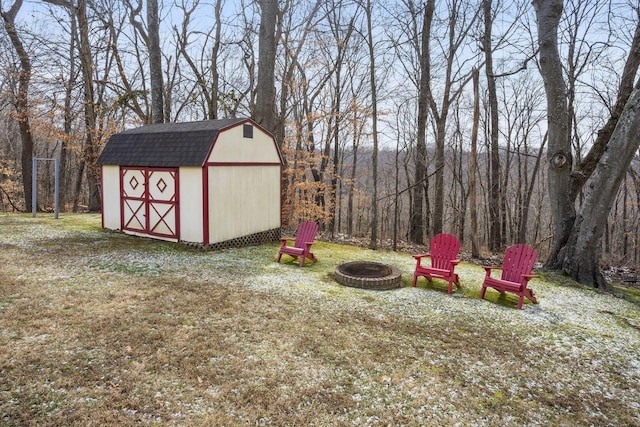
{"x":243,"y":200}
{"x":111,"y":197}
{"x":232,"y":147}
{"x":191,"y":216}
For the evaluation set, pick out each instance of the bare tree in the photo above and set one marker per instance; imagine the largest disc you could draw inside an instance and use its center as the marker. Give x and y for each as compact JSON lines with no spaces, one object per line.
{"x":342,"y":38}
{"x":155,"y":62}
{"x":265,"y":113}
{"x":585,"y":168}
{"x":495,"y":230}
{"x":473,"y":159}
{"x":357,"y":122}
{"x":566,"y":183}
{"x":424,"y":90}
{"x":459,"y":23}
{"x":140,"y":40}
{"x":206,"y":73}
{"x":22,"y":99}
{"x":87,"y":164}
{"x":90,"y":152}
{"x":129,"y":97}
{"x":582,"y":251}
{"x":294,"y":79}
{"x":373,"y":243}
{"x":559,"y":154}
{"x":576,"y":248}
{"x":521,"y":112}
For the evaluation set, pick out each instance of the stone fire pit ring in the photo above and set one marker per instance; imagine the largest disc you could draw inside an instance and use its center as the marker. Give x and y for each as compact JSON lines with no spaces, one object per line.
{"x":368,"y":275}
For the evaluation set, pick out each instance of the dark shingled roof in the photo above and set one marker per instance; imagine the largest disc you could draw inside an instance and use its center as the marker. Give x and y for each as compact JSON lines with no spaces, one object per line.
{"x":165,"y":144}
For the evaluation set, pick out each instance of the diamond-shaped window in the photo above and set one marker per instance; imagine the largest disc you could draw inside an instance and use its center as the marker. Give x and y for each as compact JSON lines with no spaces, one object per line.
{"x":133,"y":182}
{"x":161,"y":185}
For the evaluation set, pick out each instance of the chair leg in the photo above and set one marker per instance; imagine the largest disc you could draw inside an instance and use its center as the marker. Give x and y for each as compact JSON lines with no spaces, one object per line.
{"x":415,"y":280}
{"x":529,"y":294}
{"x":279,"y":257}
{"x":520,"y":301}
{"x":482,"y":292}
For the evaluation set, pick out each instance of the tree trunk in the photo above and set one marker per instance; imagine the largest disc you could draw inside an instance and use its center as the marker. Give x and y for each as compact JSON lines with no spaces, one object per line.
{"x":65,"y":151}
{"x":416,"y":227}
{"x":559,"y":153}
{"x":524,"y":222}
{"x":266,"y":92}
{"x":89,"y":151}
{"x":336,"y":147}
{"x":459,"y":27}
{"x":438,"y":200}
{"x":342,"y":44}
{"x":352,"y":175}
{"x":155,"y":62}
{"x":473,"y":202}
{"x":89,"y":155}
{"x":373,"y":244}
{"x":22,"y":102}
{"x":577,"y":238}
{"x":582,"y":253}
{"x":495,"y":230}
{"x":215,"y":75}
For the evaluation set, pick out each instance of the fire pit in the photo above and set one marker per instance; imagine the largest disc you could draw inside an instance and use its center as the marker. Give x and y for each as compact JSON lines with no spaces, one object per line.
{"x":368,"y":275}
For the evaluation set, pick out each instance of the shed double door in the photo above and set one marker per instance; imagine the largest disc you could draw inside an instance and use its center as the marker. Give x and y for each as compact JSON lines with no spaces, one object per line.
{"x":149,"y":201}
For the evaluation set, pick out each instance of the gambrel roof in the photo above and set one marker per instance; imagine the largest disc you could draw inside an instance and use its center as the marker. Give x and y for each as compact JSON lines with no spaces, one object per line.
{"x":165,"y":144}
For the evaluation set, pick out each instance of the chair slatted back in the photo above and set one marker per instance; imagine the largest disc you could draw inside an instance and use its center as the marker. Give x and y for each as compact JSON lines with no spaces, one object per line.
{"x":443,"y":249}
{"x":306,"y":233}
{"x":518,"y":260}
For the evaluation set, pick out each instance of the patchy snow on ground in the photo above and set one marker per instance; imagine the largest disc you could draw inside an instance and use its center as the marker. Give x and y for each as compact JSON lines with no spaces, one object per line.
{"x":408,"y":356}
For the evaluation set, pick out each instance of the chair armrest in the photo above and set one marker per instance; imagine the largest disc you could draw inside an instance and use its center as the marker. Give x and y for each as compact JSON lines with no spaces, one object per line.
{"x":455,"y":261}
{"x":489,"y":268}
{"x":418,"y":258}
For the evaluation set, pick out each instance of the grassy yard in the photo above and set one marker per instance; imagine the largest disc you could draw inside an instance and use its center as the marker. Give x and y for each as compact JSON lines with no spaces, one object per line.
{"x":100,"y":328}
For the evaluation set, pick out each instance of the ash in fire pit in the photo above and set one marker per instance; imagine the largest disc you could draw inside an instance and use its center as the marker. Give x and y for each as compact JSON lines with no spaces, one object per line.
{"x":368,"y":275}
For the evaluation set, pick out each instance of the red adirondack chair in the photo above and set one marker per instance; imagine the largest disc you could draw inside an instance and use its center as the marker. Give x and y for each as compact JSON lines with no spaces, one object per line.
{"x":302,"y":245}
{"x":443,"y":251}
{"x":516,"y":273}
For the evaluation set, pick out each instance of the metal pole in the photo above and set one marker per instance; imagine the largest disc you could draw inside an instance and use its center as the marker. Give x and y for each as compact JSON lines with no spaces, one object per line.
{"x":34,"y":187}
{"x":56,"y":187}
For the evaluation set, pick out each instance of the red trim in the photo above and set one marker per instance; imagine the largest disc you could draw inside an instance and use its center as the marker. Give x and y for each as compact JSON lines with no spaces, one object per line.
{"x":101,"y":197}
{"x":205,"y":205}
{"x":147,"y":203}
{"x":121,"y":178}
{"x":176,"y":198}
{"x":281,"y":198}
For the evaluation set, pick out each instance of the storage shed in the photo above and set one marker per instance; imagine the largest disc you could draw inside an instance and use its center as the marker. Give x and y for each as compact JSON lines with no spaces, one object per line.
{"x":214,"y":183}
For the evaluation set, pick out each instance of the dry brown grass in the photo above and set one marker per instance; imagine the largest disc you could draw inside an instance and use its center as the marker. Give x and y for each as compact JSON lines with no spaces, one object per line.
{"x":98,"y":328}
